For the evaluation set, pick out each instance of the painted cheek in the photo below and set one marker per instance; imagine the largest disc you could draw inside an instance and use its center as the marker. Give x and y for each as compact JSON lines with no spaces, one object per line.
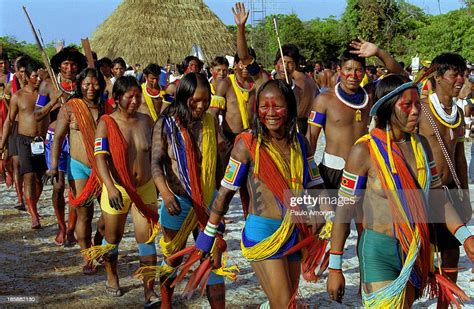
{"x":281,"y":111}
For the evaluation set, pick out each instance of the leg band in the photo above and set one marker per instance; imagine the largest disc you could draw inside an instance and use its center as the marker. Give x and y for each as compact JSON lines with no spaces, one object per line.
{"x":145,"y":249}
{"x":114,"y":250}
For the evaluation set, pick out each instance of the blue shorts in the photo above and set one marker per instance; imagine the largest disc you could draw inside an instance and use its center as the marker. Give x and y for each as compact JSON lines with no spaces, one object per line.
{"x":175,"y":222}
{"x":258,"y":228}
{"x":63,"y":154}
{"x":77,"y":170}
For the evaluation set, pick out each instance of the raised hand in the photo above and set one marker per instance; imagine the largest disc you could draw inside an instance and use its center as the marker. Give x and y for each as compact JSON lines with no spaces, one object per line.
{"x":240,"y":15}
{"x":363,"y":48}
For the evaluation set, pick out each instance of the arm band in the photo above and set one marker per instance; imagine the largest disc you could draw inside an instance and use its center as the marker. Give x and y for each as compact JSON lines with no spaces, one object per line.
{"x":315,"y":177}
{"x":206,"y":238}
{"x":317,"y":119}
{"x":235,"y":174}
{"x":335,"y":260}
{"x":462,"y":233}
{"x":435,"y":179}
{"x":101,"y":146}
{"x":217,"y":102}
{"x":42,"y":100}
{"x":352,"y":185}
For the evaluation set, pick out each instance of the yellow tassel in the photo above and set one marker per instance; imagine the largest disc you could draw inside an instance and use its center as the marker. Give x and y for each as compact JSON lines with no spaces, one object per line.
{"x":358,"y":115}
{"x":326,"y":231}
{"x":228,"y":272}
{"x":179,"y":241}
{"x":270,"y":245}
{"x":257,"y":156}
{"x":154,"y":271}
{"x":389,"y":151}
{"x":96,"y":252}
{"x":154,"y":232}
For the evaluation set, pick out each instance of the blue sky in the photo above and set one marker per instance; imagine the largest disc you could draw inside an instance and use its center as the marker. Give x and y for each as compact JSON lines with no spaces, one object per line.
{"x":72,"y":20}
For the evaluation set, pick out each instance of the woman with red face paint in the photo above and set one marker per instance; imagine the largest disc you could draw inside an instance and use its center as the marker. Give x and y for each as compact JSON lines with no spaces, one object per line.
{"x":122,"y":153}
{"x":187,"y":170}
{"x":398,"y":189}
{"x":77,"y":121}
{"x":271,"y":160}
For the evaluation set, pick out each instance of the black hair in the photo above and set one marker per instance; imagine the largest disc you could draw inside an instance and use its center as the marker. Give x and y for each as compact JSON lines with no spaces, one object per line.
{"x":347,"y":55}
{"x":251,"y":53}
{"x":188,"y":59}
{"x":449,"y":61}
{"x":105,"y":61}
{"x":31,"y":66}
{"x":122,"y":85}
{"x":289,"y":50}
{"x":186,"y":88}
{"x":22,"y":62}
{"x":120,"y":61}
{"x":69,"y":53}
{"x":386,"y":85}
{"x":219,"y":60}
{"x":259,"y":129}
{"x":152,"y":68}
{"x":89,"y":72}
{"x":4,"y":56}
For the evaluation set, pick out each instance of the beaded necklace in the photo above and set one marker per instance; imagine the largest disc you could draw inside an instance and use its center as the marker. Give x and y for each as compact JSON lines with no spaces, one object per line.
{"x":360,"y":97}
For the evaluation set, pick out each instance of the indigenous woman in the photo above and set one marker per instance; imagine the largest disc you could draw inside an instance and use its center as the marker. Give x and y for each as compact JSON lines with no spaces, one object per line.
{"x":125,"y":171}
{"x":272,"y":160}
{"x":186,"y":170}
{"x":394,"y":249}
{"x":77,"y":119}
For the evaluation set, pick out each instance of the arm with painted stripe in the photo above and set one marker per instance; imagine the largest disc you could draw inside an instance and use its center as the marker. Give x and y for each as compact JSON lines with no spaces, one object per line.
{"x":351,"y":191}
{"x":235,"y":176}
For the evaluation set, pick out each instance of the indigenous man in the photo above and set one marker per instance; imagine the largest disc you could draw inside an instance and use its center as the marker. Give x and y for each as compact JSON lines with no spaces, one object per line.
{"x":235,"y":99}
{"x":442,"y":124}
{"x":272,"y":160}
{"x":394,"y":249}
{"x":187,"y":170}
{"x":5,"y":74}
{"x":219,"y":71}
{"x":30,"y":139}
{"x":151,"y":92}
{"x":12,"y":161}
{"x":77,"y":121}
{"x":66,"y":63}
{"x":343,"y":113}
{"x":305,"y":88}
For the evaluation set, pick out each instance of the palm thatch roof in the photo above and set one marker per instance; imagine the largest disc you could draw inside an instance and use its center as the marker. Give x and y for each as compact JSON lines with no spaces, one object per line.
{"x":146,"y":31}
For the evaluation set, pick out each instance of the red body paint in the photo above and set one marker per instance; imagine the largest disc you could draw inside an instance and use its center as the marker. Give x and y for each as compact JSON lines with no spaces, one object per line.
{"x":270,"y":104}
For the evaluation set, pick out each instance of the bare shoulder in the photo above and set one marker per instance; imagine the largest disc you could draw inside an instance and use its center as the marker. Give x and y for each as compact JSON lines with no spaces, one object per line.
{"x":357,"y":162}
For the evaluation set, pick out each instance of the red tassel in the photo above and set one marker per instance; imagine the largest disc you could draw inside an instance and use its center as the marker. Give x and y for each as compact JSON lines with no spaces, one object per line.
{"x":181,"y":253}
{"x":193,"y":258}
{"x":447,"y":291}
{"x":304,"y":243}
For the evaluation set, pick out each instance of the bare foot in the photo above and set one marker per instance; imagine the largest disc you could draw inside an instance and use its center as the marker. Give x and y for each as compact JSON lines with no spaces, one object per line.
{"x":70,"y":240}
{"x":20,"y":206}
{"x":89,"y":269}
{"x":35,"y":224}
{"x":59,"y":240}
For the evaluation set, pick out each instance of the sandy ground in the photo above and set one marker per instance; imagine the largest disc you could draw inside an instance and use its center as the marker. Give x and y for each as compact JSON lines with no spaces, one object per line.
{"x":31,"y":265}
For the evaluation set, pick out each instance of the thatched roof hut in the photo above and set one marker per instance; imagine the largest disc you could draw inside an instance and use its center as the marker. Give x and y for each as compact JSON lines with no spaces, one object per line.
{"x":145,"y":31}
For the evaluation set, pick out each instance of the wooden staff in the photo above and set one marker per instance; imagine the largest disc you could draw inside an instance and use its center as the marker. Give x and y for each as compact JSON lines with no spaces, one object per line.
{"x":43,"y":53}
{"x":88,"y":52}
{"x":275,"y":22}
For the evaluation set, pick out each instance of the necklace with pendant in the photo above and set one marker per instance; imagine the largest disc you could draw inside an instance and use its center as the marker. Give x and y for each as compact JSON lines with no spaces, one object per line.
{"x":361,"y":96}
{"x":452,"y":121}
